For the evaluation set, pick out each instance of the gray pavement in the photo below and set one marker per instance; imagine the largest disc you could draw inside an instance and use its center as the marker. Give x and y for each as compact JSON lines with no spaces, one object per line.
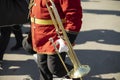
{"x":97,"y":45}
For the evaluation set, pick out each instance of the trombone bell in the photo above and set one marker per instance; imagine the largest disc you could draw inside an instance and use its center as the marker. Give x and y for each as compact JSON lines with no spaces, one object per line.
{"x":79,"y":72}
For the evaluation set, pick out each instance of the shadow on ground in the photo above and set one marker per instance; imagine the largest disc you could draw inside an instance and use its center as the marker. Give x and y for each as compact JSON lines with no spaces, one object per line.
{"x":100,"y":36}
{"x":101,"y":62}
{"x":20,"y":68}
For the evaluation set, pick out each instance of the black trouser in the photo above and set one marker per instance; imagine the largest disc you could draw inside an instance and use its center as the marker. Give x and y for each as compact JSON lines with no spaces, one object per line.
{"x":4,"y":40}
{"x":16,"y":29}
{"x":49,"y":65}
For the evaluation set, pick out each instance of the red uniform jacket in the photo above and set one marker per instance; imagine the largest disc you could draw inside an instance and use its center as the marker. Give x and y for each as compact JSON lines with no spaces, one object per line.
{"x":70,"y":10}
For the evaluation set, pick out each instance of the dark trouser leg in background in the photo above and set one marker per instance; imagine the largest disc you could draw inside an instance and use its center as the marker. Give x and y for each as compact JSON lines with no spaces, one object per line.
{"x":18,"y":36}
{"x":4,"y":40}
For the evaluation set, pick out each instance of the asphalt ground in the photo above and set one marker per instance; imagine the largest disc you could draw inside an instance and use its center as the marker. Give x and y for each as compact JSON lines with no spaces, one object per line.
{"x":97,"y":45}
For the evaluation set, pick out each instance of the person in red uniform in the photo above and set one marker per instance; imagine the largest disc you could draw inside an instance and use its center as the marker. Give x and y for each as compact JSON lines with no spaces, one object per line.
{"x":42,"y":29}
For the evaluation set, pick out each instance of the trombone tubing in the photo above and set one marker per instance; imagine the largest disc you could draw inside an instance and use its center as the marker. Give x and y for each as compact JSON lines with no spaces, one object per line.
{"x":58,"y":21}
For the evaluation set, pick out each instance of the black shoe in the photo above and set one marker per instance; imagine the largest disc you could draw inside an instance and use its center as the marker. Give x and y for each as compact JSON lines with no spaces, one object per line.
{"x":16,"y":47}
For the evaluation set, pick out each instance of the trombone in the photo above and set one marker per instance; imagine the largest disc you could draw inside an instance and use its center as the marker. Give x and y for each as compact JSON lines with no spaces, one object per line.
{"x":78,"y":70}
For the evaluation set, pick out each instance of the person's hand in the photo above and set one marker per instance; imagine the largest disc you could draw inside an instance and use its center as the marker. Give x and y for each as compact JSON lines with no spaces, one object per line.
{"x":62,"y":46}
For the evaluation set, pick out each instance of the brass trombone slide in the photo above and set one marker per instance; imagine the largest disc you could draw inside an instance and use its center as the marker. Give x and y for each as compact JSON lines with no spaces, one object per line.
{"x":78,"y":70}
